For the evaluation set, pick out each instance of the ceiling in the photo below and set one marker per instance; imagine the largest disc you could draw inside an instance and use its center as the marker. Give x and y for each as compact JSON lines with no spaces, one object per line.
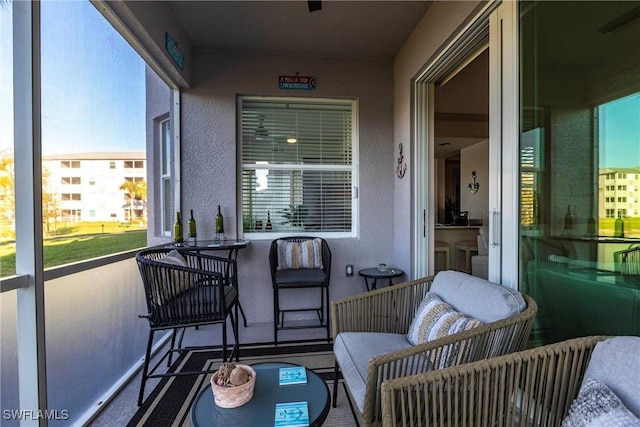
{"x":344,"y":29}
{"x":341,"y":29}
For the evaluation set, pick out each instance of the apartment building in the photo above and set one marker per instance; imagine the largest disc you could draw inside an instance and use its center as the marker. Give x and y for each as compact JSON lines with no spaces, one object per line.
{"x":86,"y":186}
{"x":620,"y":192}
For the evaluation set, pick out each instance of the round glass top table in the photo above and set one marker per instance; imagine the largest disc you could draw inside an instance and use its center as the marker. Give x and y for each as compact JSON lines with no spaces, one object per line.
{"x":374,"y":274}
{"x":261,"y":409}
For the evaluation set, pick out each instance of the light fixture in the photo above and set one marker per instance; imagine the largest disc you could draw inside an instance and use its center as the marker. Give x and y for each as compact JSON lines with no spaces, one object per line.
{"x":473,"y":186}
{"x":292,"y":140}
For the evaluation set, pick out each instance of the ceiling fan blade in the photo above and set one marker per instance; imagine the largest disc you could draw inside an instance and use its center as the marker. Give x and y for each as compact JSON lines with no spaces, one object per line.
{"x":314,"y":5}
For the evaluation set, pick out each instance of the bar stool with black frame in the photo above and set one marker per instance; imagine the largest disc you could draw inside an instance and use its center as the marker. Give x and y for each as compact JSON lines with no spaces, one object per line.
{"x":186,"y":289}
{"x":298,"y":275}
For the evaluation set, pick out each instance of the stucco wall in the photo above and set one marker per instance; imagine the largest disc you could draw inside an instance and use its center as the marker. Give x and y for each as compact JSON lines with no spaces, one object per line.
{"x":475,"y":158}
{"x":209,"y":160}
{"x":434,"y":30}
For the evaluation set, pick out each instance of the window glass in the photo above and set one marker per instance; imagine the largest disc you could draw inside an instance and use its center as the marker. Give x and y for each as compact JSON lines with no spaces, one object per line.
{"x":580,"y":167}
{"x":7,"y":187}
{"x":94,"y":135}
{"x":297,"y":165}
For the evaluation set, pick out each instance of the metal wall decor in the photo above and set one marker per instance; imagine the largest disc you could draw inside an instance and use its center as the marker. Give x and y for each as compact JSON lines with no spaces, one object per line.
{"x":401,"y":167}
{"x":473,"y":186}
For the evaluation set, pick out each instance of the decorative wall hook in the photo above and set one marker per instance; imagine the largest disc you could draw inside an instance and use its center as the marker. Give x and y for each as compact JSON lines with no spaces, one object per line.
{"x":473,"y":186}
{"x":401,"y":167}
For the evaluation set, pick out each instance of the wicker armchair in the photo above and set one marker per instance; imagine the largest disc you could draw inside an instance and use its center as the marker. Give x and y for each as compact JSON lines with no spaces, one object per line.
{"x":534,"y":387}
{"x":186,"y":289}
{"x":391,"y":310}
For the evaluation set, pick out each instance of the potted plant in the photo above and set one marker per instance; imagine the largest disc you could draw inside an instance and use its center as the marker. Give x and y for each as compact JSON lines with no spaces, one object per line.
{"x":294,"y":215}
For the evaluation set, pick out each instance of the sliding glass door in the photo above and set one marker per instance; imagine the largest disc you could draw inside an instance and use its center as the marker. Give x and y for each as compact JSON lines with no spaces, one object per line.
{"x":579,"y":155}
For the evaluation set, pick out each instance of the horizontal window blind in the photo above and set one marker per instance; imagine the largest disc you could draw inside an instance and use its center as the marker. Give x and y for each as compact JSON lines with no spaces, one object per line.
{"x":297,"y":166}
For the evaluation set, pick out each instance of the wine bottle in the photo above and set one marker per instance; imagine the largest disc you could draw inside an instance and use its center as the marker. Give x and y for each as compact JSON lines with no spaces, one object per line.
{"x":219,"y":222}
{"x":192,"y":226}
{"x":568,"y":219}
{"x":268,"y":227}
{"x":177,"y":230}
{"x":619,"y":226}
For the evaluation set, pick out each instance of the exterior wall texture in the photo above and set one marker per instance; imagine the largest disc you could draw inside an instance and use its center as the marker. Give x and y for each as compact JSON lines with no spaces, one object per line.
{"x":440,"y":24}
{"x":209,"y":159}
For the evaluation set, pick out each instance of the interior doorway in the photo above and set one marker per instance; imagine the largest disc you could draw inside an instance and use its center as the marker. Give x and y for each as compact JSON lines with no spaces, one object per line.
{"x":461,"y":161}
{"x":460,"y":109}
{"x":452,"y":153}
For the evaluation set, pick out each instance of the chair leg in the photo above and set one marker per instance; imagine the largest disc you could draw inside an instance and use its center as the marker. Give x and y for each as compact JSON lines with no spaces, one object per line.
{"x":335,"y":384}
{"x":327,"y":318}
{"x":234,"y":326}
{"x":145,"y":367}
{"x":224,"y":341}
{"x":182,"y":331}
{"x":276,"y":316}
{"x":172,"y":345}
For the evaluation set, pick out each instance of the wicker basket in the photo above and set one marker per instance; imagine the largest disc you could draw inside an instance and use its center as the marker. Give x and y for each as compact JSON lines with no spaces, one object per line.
{"x":232,"y":397}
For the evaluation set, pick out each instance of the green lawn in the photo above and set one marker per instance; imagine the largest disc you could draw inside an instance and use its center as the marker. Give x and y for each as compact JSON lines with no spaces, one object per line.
{"x":79,"y":242}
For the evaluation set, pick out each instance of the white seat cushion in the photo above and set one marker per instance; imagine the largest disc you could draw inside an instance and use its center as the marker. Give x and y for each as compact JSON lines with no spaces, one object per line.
{"x":353,"y":351}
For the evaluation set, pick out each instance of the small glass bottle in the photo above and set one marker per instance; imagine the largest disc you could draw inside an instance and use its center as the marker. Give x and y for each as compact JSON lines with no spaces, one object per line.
{"x":177,"y":231}
{"x":619,"y":226}
{"x":193,"y":236}
{"x":268,"y":227}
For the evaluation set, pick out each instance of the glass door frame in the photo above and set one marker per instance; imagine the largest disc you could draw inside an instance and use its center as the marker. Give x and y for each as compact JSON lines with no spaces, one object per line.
{"x":498,"y":22}
{"x":504,"y":143}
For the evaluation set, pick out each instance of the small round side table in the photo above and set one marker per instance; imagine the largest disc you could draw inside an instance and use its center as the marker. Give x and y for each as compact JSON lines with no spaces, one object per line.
{"x":374,"y":274}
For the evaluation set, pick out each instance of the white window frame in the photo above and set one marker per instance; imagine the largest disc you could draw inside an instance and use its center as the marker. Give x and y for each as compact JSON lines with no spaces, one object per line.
{"x":352,"y":168}
{"x":165,"y":176}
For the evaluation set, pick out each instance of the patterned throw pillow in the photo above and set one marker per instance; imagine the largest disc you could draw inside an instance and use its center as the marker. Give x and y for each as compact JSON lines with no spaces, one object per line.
{"x":174,"y":258}
{"x":436,"y":319}
{"x":597,"y":405}
{"x":181,"y":280}
{"x":294,"y":255}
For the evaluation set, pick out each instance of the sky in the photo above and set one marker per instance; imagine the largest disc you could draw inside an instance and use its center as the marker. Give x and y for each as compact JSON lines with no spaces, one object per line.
{"x":93,"y":87}
{"x":619,"y":123}
{"x":93,"y":93}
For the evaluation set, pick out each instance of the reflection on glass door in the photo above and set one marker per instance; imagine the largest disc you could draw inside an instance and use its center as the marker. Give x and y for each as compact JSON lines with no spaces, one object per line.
{"x":580,"y":167}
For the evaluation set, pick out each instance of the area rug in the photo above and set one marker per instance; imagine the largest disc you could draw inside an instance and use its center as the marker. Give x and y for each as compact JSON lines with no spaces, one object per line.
{"x":169,"y":404}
